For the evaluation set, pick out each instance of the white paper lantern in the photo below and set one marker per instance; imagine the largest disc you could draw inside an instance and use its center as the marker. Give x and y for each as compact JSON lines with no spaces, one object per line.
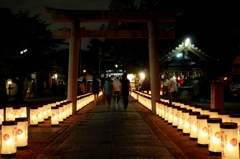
{"x":1,"y":115}
{"x":34,"y":116}
{"x":213,"y":113}
{"x":9,"y":139}
{"x":40,"y":114}
{"x":9,"y":113}
{"x":236,"y":119}
{"x":60,"y":113}
{"x":170,"y":114}
{"x":16,"y":112}
{"x":180,"y":119}
{"x":22,"y":132}
{"x":224,"y":115}
{"x":214,"y":136}
{"x":54,"y":117}
{"x":202,"y":128}
{"x":193,"y":125}
{"x":23,"y":111}
{"x":205,"y":111}
{"x":186,"y":121}
{"x":229,"y":140}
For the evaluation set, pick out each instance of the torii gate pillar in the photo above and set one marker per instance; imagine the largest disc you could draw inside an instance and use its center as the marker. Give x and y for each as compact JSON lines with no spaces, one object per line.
{"x":73,"y":65}
{"x":153,"y":62}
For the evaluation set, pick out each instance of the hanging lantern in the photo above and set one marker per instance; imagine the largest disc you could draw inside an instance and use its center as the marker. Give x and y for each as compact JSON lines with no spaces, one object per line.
{"x":9,"y":113}
{"x":202,"y":128}
{"x":34,"y":116}
{"x":1,"y":115}
{"x":180,"y":119}
{"x":9,"y":139}
{"x":54,"y":117}
{"x":229,"y":140}
{"x":213,"y":113}
{"x":22,"y":132}
{"x":224,"y":115}
{"x":193,"y":125}
{"x":186,"y":121}
{"x":214,"y":136}
{"x":236,"y":119}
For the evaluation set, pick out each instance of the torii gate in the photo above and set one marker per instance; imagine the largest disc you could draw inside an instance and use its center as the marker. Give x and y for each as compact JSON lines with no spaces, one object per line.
{"x":113,"y":17}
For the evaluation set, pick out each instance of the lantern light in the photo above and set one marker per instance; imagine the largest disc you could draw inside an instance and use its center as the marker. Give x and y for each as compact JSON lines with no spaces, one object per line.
{"x":9,"y":139}
{"x":22,"y":132}
{"x":9,"y":113}
{"x":180,"y":119}
{"x":213,"y":113}
{"x":1,"y":115}
{"x":193,"y":125}
{"x":205,"y":111}
{"x":186,"y":121}
{"x":202,"y":127}
{"x":236,"y":119}
{"x":40,"y":114}
{"x":224,"y":115}
{"x":214,"y":136}
{"x":23,"y":111}
{"x":16,"y":112}
{"x":174,"y":115}
{"x":229,"y":140}
{"x":54,"y":116}
{"x":34,"y":116}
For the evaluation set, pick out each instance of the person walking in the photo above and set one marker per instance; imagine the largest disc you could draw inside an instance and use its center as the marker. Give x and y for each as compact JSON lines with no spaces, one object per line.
{"x":116,"y":89}
{"x":172,"y":88}
{"x":125,"y":88}
{"x":107,"y":91}
{"x":95,"y":89}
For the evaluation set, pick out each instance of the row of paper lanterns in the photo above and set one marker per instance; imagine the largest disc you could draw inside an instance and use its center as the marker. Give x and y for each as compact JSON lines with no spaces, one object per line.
{"x":14,"y":130}
{"x":217,"y":130}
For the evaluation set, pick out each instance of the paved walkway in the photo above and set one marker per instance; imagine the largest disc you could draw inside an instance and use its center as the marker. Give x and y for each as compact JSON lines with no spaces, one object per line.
{"x":101,"y":133}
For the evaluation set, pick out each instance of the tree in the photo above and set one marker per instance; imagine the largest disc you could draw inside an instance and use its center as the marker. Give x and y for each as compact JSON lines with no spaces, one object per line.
{"x":27,"y":47}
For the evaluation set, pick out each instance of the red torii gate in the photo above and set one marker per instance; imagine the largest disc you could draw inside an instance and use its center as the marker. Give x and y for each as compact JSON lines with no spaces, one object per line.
{"x":113,"y":17}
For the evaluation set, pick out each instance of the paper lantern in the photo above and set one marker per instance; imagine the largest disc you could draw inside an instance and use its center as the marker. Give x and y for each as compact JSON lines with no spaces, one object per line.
{"x":180,"y":119}
{"x":205,"y":111}
{"x":40,"y":114}
{"x":34,"y":116}
{"x":60,"y":112}
{"x":175,"y":114}
{"x":186,"y":121}
{"x":16,"y":112}
{"x":236,"y":119}
{"x":202,"y":128}
{"x":198,"y":108}
{"x":213,"y":113}
{"x":176,"y":117}
{"x":45,"y":111}
{"x":170,"y":113}
{"x":214,"y":136}
{"x":9,"y":139}
{"x":22,"y":132}
{"x":229,"y":140}
{"x":54,"y":116}
{"x":64,"y":110}
{"x":9,"y":113}
{"x":1,"y":115}
{"x":165,"y":111}
{"x":23,"y":111}
{"x":193,"y":125}
{"x":224,"y":115}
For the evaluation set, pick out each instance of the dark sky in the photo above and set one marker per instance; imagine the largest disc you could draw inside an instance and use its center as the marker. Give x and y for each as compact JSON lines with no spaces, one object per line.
{"x":34,"y":7}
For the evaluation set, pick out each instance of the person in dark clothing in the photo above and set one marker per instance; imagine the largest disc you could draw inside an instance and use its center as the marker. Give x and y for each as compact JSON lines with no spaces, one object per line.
{"x":125,"y":88}
{"x":95,"y":89}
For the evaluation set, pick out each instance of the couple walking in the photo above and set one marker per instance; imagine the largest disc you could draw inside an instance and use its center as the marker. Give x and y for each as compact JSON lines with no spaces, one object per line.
{"x":117,"y":88}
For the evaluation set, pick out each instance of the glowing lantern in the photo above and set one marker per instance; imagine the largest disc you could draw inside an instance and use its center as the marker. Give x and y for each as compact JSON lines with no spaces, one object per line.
{"x":198,"y":108}
{"x":45,"y":111}
{"x":192,"y":107}
{"x":54,"y":117}
{"x":22,"y":132}
{"x":60,"y":113}
{"x":202,"y":128}
{"x":180,"y":119}
{"x":23,"y":111}
{"x":1,"y":115}
{"x":213,"y":113}
{"x":186,"y":121}
{"x":224,"y":115}
{"x":170,"y":115}
{"x":9,"y":138}
{"x":64,"y":110}
{"x":40,"y":114}
{"x":174,"y":115}
{"x":229,"y":140}
{"x":214,"y":136}
{"x":9,"y":113}
{"x":193,"y":125}
{"x":165,"y":111}
{"x":236,"y":119}
{"x":205,"y":111}
{"x":16,"y":112}
{"x":160,"y":109}
{"x":34,"y":116}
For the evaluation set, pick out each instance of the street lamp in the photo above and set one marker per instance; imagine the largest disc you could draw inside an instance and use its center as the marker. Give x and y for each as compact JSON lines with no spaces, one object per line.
{"x":9,"y":87}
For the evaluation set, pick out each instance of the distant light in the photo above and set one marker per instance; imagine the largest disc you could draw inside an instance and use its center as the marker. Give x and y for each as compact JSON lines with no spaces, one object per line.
{"x":21,"y":52}
{"x":142,"y":75}
{"x":225,"y":78}
{"x":130,"y":77}
{"x":116,"y":66}
{"x":187,"y":42}
{"x":179,"y":55}
{"x":9,"y":82}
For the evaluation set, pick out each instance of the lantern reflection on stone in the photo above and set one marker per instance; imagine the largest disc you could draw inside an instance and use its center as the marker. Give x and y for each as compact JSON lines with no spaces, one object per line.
{"x":54,"y":117}
{"x":229,"y":140}
{"x":22,"y":132}
{"x":236,"y":119}
{"x":193,"y":125}
{"x":214,"y":136}
{"x":34,"y":116}
{"x":9,"y":138}
{"x":202,"y":128}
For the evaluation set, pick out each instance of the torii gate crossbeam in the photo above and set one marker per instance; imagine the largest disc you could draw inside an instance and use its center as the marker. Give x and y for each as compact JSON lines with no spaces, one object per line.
{"x":75,"y":33}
